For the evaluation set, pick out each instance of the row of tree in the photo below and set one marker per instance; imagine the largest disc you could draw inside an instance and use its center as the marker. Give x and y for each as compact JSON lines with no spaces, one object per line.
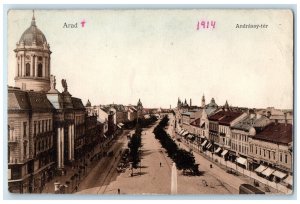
{"x":135,"y":142}
{"x":184,"y":160}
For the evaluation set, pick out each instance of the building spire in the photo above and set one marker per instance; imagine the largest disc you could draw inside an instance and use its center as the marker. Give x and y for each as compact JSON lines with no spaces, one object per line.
{"x":33,"y":19}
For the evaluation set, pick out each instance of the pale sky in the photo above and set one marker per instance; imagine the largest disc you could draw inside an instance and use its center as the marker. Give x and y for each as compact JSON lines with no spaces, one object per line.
{"x":159,"y":55}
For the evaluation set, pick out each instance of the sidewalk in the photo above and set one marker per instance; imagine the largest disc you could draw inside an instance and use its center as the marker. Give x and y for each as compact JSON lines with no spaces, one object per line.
{"x":224,"y":168}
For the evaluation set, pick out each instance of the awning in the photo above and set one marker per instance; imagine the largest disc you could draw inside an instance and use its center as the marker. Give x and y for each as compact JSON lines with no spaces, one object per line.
{"x":219,"y":149}
{"x":190,"y":136}
{"x":209,"y":145}
{"x":289,"y":180}
{"x":224,"y":152}
{"x":202,"y":137}
{"x":181,"y":131}
{"x":204,"y":143}
{"x":260,"y":168}
{"x":279,"y":174}
{"x":241,"y":160}
{"x":104,"y":135}
{"x":268,"y":171}
{"x":119,"y":126}
{"x":185,"y":133}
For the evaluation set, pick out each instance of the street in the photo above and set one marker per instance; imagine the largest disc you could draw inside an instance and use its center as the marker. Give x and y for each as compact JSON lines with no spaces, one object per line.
{"x":105,"y":171}
{"x":151,"y":178}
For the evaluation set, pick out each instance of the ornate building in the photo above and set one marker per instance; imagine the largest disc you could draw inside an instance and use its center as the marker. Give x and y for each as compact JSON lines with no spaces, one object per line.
{"x":33,"y":60}
{"x":46,"y":128}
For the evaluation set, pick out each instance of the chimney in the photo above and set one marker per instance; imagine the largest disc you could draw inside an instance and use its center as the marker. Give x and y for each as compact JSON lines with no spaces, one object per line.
{"x":190,"y":102}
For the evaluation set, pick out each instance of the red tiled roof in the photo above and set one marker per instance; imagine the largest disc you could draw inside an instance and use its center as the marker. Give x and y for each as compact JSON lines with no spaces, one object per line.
{"x":276,"y":133}
{"x":217,"y":116}
{"x":225,"y":117}
{"x":229,"y":117}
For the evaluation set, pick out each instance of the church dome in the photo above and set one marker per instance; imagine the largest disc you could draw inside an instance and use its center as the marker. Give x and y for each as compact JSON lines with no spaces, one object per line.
{"x":33,"y":34}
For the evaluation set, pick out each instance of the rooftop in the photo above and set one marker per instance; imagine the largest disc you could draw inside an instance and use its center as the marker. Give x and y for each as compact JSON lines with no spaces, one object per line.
{"x":276,"y":133}
{"x":225,"y":117}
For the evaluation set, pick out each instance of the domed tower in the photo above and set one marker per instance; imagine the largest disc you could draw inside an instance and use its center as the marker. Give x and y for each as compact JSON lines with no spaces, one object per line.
{"x":33,"y":60}
{"x":203,"y":101}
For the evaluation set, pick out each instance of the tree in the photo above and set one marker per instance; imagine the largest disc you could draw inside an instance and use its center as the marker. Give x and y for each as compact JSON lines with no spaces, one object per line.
{"x":134,"y":145}
{"x":184,"y":160}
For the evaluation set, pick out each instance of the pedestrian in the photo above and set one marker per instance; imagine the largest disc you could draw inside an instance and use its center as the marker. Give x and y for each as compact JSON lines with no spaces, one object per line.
{"x":76,"y":188}
{"x":118,"y":191}
{"x":160,"y":164}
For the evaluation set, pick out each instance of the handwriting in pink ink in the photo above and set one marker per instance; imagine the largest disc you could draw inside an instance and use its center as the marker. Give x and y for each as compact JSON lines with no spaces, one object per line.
{"x":206,"y":25}
{"x":82,"y":23}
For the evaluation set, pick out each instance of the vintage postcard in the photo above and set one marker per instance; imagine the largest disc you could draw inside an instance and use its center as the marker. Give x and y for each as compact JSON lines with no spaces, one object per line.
{"x":156,"y":101}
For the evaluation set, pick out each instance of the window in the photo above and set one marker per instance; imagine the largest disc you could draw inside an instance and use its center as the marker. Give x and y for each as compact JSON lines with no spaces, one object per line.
{"x":286,"y":156}
{"x":42,"y":126}
{"x":255,"y":150}
{"x":280,"y":156}
{"x":274,"y":156}
{"x":39,"y":130}
{"x":24,"y":129}
{"x":264,"y":153}
{"x":40,"y":70}
{"x":25,"y":150}
{"x":8,"y":154}
{"x":27,"y":71}
{"x":10,"y":136}
{"x":259,"y":151}
{"x":269,"y":153}
{"x":34,"y":129}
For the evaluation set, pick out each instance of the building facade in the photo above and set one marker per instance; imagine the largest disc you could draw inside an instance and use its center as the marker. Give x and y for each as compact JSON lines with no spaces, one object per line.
{"x":46,"y":128}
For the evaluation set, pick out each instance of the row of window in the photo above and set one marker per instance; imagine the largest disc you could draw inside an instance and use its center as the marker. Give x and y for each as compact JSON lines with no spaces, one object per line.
{"x":240,"y":148}
{"x":225,"y":141}
{"x":42,"y":126}
{"x":43,"y":144}
{"x":213,"y":126}
{"x":28,"y":57}
{"x":240,"y":137}
{"x":28,"y":70}
{"x":223,"y":129}
{"x":268,"y":154}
